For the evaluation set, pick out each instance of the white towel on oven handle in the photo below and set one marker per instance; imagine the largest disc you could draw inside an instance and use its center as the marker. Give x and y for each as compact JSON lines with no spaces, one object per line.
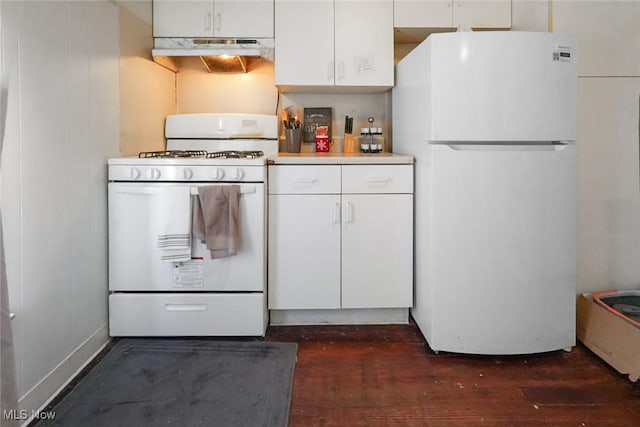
{"x":174,"y":231}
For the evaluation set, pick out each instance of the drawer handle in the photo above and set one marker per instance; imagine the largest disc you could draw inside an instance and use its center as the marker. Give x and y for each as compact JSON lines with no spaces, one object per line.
{"x":378,"y":180}
{"x":304,"y":181}
{"x":185,"y":307}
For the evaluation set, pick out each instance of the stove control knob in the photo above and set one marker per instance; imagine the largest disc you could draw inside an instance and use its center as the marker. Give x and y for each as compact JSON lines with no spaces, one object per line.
{"x":239,"y":174}
{"x":134,"y":173}
{"x":219,"y":174}
{"x":154,"y":174}
{"x":187,"y":173}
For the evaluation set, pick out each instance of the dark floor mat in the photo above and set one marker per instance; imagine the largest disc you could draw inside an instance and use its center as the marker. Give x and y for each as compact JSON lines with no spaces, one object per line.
{"x":153,"y":382}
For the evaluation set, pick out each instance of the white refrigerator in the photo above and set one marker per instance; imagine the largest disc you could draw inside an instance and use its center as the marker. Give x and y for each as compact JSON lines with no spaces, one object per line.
{"x":490,"y":118}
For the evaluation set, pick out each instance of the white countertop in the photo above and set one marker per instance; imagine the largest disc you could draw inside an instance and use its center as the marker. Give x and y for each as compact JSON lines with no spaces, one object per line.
{"x":338,"y":159}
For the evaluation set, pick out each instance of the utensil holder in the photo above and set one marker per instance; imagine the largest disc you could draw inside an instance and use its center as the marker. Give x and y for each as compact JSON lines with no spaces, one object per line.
{"x":293,"y":140}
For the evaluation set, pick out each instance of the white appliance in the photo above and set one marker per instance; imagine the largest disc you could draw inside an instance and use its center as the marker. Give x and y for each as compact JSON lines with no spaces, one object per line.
{"x":199,"y":296}
{"x":490,"y":118}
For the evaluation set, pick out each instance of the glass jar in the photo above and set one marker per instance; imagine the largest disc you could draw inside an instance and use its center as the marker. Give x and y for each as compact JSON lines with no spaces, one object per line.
{"x":371,"y":140}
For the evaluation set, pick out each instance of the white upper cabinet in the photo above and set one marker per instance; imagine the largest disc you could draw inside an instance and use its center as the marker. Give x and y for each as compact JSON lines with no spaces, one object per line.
{"x":452,"y":13}
{"x":304,"y":43}
{"x":340,"y":43}
{"x":213,"y":18}
{"x":607,"y":35}
{"x":364,"y":43}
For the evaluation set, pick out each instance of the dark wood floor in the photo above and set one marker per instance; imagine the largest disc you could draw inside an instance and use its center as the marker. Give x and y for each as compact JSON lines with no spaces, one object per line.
{"x":387,"y":375}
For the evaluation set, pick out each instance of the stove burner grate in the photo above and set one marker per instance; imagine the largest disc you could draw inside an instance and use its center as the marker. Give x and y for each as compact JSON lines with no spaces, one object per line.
{"x":233,"y":154}
{"x":173,"y":154}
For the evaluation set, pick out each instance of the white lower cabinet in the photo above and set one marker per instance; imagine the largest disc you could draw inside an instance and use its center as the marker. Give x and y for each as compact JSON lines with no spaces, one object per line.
{"x":377,"y":254}
{"x":340,"y":236}
{"x":304,"y":251}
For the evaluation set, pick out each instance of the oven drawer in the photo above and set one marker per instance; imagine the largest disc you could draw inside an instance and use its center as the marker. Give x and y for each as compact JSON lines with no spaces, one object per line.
{"x":304,"y":179}
{"x":192,"y":314}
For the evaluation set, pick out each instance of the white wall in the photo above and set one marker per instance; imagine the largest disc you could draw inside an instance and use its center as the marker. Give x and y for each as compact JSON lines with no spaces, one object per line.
{"x":608,"y":198}
{"x":62,"y":61}
{"x":147,"y":90}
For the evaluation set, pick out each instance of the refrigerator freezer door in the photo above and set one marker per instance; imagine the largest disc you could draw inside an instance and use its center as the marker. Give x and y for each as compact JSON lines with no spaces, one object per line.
{"x":501,"y":248}
{"x":502,"y":86}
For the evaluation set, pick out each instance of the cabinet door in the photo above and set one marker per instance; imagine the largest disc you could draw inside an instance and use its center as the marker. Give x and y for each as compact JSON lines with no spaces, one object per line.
{"x":422,"y":13}
{"x":304,"y":251}
{"x":482,"y":13}
{"x":182,"y":18}
{"x":364,"y":43}
{"x":448,"y":13}
{"x":377,"y":250}
{"x":304,"y":42}
{"x":233,"y":18}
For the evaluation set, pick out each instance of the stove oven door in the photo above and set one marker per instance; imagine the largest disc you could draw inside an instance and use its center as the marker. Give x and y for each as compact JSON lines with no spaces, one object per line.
{"x":135,"y":218}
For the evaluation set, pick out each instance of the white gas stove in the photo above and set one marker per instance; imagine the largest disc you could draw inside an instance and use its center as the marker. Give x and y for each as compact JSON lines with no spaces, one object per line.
{"x":152,"y":196}
{"x":207,"y":148}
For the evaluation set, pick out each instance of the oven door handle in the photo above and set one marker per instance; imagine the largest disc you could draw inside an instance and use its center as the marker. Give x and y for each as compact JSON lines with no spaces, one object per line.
{"x":245,"y":189}
{"x":138,"y":190}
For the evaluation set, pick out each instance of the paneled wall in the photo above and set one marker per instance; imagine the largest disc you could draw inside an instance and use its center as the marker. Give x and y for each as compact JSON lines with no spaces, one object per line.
{"x":62,"y":61}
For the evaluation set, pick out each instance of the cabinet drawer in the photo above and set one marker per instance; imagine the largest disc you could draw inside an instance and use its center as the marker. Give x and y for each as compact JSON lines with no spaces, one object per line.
{"x":186,"y":314}
{"x":377,"y":179}
{"x":304,"y":179}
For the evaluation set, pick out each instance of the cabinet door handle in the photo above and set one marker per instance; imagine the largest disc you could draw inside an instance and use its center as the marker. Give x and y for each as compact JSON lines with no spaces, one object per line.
{"x":340,"y":70}
{"x":336,"y":213}
{"x":330,"y":71}
{"x":218,"y":21}
{"x":348,"y":212}
{"x":207,"y":21}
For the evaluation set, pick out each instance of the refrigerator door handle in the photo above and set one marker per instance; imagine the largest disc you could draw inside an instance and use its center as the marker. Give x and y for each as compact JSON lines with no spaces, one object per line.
{"x":547,"y":146}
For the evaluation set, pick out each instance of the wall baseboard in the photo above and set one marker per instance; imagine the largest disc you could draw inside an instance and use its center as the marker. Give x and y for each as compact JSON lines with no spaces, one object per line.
{"x":41,"y":394}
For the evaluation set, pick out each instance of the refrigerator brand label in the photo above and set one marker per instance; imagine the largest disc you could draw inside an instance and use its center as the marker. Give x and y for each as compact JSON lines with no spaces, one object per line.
{"x":562,"y":54}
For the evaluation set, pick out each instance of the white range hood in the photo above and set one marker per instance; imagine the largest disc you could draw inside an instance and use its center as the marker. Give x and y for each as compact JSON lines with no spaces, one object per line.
{"x":217,"y":55}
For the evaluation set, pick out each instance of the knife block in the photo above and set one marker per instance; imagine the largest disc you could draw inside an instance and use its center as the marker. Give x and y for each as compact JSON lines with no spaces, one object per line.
{"x":350,"y":143}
